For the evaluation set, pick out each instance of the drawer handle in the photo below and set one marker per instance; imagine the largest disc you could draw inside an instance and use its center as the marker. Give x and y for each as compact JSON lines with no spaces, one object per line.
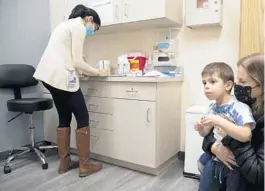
{"x":92,"y":89}
{"x":92,"y":105}
{"x":147,"y":115}
{"x":117,"y":12}
{"x":94,"y":136}
{"x":130,"y":91}
{"x":96,"y":122}
{"x":126,"y":10}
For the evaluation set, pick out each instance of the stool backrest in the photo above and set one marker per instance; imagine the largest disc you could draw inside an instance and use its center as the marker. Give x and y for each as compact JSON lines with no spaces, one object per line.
{"x":16,"y":76}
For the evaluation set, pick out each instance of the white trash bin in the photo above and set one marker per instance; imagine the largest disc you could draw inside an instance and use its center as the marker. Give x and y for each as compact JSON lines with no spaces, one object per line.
{"x":193,"y":141}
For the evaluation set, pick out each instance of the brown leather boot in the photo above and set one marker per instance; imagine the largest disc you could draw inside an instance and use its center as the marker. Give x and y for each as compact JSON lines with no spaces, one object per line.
{"x":63,"y":141}
{"x":83,"y":147}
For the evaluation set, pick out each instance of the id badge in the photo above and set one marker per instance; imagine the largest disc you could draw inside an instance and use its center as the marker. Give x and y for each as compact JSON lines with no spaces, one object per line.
{"x":71,"y":80}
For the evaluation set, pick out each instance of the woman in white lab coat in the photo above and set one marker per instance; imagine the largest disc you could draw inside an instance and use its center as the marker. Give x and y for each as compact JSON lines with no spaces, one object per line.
{"x":58,"y":70}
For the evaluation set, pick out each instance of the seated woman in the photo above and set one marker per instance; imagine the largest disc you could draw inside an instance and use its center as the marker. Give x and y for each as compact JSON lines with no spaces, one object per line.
{"x":249,"y":157}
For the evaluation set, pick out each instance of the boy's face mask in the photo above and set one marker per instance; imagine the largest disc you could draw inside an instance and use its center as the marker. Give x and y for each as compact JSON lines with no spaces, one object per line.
{"x":243,"y":94}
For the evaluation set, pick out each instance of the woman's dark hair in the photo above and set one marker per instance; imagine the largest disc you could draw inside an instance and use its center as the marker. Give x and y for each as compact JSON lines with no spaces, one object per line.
{"x":83,"y":11}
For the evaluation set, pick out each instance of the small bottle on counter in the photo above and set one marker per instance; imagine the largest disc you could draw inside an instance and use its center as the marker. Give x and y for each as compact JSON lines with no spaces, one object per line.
{"x":149,"y":65}
{"x":126,"y":67}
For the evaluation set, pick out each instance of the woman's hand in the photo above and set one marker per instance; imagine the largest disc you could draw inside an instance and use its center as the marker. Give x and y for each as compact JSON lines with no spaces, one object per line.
{"x":224,"y":154}
{"x":80,"y":75}
{"x":103,"y":72}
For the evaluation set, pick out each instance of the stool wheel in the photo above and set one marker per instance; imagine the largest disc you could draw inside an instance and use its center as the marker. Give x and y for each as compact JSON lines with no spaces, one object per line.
{"x":45,"y":166}
{"x":7,"y":169}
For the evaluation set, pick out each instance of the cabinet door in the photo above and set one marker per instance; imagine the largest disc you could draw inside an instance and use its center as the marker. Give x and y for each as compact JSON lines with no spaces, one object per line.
{"x":50,"y":122}
{"x":203,"y":12}
{"x":138,"y":10}
{"x":134,"y":132}
{"x":108,"y":11}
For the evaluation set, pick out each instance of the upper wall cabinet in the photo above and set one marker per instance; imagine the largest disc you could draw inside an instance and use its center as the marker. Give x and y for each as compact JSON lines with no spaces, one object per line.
{"x":138,"y":10}
{"x":119,"y":15}
{"x":108,"y":10}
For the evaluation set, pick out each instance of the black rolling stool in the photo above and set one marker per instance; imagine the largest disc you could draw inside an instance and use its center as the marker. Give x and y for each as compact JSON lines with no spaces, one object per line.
{"x":15,"y":77}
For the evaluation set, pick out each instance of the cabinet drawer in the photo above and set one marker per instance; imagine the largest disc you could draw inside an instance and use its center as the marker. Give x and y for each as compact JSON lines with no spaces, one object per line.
{"x":99,"y":105}
{"x":102,"y":142}
{"x":134,"y":91}
{"x":100,"y":121}
{"x":98,"y":89}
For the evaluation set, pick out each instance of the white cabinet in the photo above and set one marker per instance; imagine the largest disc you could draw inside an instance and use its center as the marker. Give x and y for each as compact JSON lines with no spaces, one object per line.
{"x":132,"y":124}
{"x":138,"y":10}
{"x":203,"y":12}
{"x":126,"y":11}
{"x":108,"y":10}
{"x":122,"y":15}
{"x":135,"y":131}
{"x":164,"y":12}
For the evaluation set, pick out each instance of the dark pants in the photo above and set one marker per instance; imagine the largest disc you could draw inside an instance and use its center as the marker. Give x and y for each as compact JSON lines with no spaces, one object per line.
{"x":67,"y":103}
{"x":203,"y":160}
{"x":217,"y":177}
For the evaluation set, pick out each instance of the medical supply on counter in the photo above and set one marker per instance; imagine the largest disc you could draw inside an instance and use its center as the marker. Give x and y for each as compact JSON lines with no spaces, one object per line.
{"x":137,"y":63}
{"x":105,"y":64}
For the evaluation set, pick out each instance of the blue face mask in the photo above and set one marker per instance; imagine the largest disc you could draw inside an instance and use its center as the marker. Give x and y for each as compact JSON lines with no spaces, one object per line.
{"x":89,"y":31}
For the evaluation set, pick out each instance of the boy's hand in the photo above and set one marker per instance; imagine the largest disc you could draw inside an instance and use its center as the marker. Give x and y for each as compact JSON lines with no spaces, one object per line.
{"x":212,"y":120}
{"x":198,"y":126}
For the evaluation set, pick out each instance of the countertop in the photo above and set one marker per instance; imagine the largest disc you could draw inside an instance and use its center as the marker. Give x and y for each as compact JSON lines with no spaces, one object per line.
{"x":154,"y":79}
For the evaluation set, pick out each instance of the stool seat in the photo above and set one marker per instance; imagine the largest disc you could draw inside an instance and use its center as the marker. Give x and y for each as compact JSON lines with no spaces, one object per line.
{"x":29,"y":105}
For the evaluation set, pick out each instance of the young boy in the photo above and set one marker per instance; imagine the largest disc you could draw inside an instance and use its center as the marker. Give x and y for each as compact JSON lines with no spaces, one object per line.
{"x":226,"y":116}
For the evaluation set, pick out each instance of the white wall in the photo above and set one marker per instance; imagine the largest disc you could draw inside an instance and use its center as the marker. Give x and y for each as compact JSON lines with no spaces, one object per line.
{"x":197,"y":47}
